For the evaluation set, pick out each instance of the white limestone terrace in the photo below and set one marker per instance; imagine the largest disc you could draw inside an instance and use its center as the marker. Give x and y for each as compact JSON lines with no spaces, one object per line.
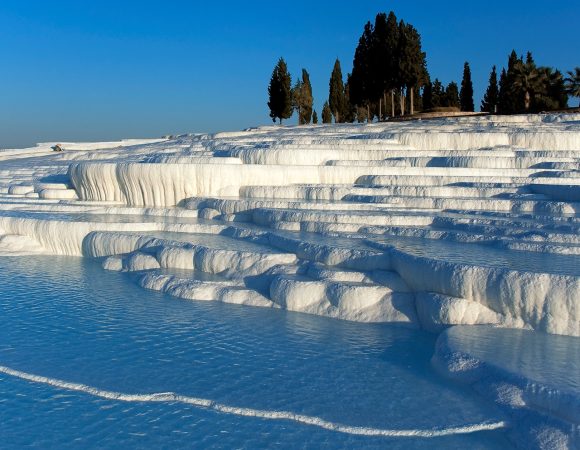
{"x":425,"y":224}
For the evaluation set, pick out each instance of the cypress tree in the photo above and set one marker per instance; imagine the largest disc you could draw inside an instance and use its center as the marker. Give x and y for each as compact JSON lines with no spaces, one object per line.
{"x":297,"y":99}
{"x":336,"y":97}
{"x":451,"y":95}
{"x":437,"y":94}
{"x":308,"y":100}
{"x":302,"y":98}
{"x":388,"y":58}
{"x":280,"y":92}
{"x":379,"y":60}
{"x":401,"y":63}
{"x":359,"y":80}
{"x":530,"y":59}
{"x":411,"y":62}
{"x":349,"y":108}
{"x":503,"y":96}
{"x":512,"y":97}
{"x":466,"y":93}
{"x":384,"y":60}
{"x":491,"y":98}
{"x":314,"y":117}
{"x":428,"y":96}
{"x":392,"y":46}
{"x":326,"y":113}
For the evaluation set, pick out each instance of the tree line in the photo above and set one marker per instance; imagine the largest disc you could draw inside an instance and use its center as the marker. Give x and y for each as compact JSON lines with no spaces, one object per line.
{"x":390,"y":78}
{"x":526,"y":88}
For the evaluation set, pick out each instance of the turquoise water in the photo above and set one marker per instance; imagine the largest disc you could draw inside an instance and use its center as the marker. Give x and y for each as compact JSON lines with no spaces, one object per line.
{"x":66,"y":319}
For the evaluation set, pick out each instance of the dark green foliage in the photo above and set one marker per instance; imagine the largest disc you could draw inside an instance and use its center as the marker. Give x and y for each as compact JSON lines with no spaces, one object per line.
{"x":428,"y":96}
{"x":360,"y":79}
{"x":388,"y":58}
{"x":503,"y":101}
{"x":573,"y":82}
{"x":411,"y":62}
{"x":417,"y":104}
{"x":541,"y":88}
{"x":527,"y":82}
{"x":510,"y":101}
{"x":326,"y":113}
{"x":314,"y":117}
{"x":437,"y":94}
{"x":349,"y":114}
{"x":491,"y":98}
{"x":379,"y":58}
{"x":530,"y":59}
{"x":384,"y":70}
{"x":557,"y":88}
{"x":451,"y":97}
{"x":466,"y":93}
{"x":280,"y":92}
{"x":336,"y":96}
{"x":527,"y":88}
{"x":552,"y":92}
{"x":309,"y":100}
{"x":302,"y":98}
{"x":391,"y":54}
{"x":297,"y":98}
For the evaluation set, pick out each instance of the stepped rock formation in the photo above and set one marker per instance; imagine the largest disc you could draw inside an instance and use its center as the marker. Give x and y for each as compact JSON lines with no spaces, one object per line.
{"x":424,"y":224}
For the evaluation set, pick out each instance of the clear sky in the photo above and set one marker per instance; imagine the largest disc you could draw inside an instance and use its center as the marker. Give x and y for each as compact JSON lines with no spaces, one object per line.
{"x":96,"y":70}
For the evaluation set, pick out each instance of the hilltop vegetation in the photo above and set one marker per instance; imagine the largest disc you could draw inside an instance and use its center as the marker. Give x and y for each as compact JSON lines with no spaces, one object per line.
{"x":389,"y":78}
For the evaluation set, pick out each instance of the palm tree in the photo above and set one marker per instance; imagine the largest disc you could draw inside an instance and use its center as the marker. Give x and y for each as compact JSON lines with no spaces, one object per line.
{"x":573,"y":83}
{"x":553,"y":94}
{"x":529,"y":80}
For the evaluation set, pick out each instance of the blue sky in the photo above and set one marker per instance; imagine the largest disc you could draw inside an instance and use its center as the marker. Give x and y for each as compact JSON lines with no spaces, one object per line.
{"x":76,"y":70}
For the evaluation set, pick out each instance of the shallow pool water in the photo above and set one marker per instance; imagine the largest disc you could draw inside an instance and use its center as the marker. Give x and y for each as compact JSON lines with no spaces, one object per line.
{"x":65,"y":318}
{"x":560,"y":355}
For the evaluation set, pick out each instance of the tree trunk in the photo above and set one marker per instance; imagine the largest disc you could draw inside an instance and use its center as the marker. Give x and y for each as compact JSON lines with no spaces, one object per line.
{"x":392,"y":103}
{"x":402,"y":102}
{"x":385,"y":103}
{"x":412,"y":101}
{"x":380,"y":109}
{"x":368,"y":113}
{"x":527,"y":101}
